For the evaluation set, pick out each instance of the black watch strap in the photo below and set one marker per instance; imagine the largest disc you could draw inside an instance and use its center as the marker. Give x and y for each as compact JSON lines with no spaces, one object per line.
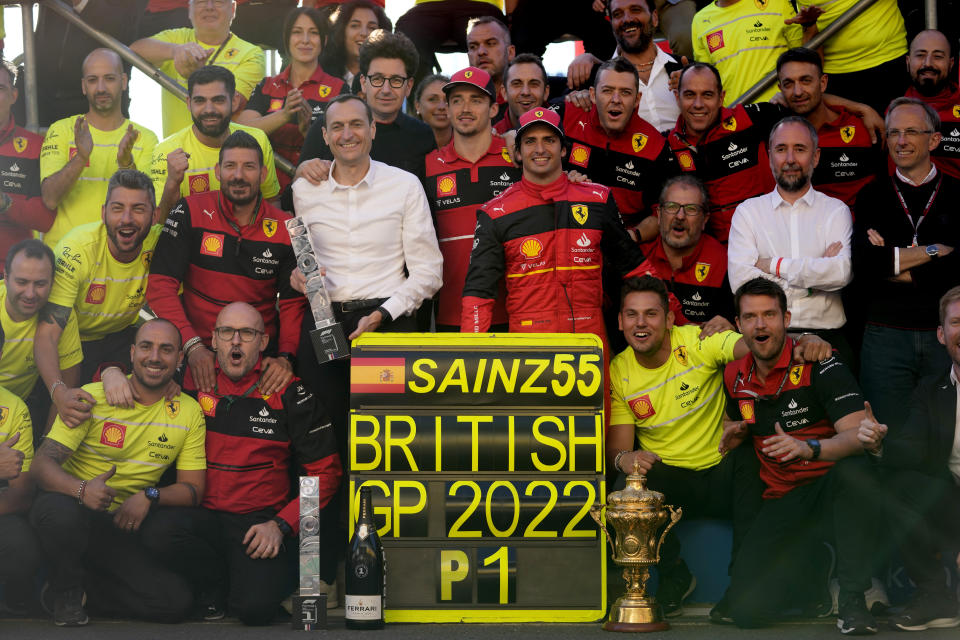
{"x":291,"y":358}
{"x":815,"y":447}
{"x":385,"y":315}
{"x":285,"y":528}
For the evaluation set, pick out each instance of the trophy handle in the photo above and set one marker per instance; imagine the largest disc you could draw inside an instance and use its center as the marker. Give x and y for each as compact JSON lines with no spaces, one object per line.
{"x":595,"y":513}
{"x":675,"y":514}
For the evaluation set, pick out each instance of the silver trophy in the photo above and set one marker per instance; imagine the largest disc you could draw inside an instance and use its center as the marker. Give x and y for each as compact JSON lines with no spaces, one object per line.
{"x":309,"y":605}
{"x":329,"y":341}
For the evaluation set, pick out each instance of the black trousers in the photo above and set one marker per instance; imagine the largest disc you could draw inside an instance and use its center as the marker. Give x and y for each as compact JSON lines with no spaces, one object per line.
{"x":729,"y":489}
{"x":19,"y":555}
{"x":836,"y":507}
{"x":121,"y":577}
{"x":114,"y":348}
{"x":206,"y":547}
{"x":924,"y":515}
{"x":536,"y":23}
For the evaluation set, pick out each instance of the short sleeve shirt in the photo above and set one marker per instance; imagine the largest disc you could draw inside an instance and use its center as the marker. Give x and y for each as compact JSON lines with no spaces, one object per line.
{"x":14,"y":419}
{"x":82,"y":204}
{"x":142,"y":442}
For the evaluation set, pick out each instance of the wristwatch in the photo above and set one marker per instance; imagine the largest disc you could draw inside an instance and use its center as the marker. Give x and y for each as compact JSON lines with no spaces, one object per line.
{"x":153,"y":494}
{"x":284,"y":527}
{"x":933,"y":251}
{"x":815,"y":447}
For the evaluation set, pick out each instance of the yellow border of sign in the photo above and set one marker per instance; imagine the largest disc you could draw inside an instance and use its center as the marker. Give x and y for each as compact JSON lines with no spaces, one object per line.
{"x":426,"y":340}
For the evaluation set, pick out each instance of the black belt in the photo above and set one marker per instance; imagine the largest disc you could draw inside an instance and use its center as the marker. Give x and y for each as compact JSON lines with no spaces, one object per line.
{"x":357,"y":305}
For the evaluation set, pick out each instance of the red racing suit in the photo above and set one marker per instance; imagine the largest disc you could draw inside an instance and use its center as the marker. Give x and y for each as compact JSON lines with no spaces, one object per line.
{"x":20,"y":158}
{"x":947,"y":154}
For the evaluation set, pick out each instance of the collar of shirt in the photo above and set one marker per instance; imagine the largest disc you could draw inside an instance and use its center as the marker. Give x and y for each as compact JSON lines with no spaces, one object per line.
{"x":747,"y":371}
{"x":659,"y":62}
{"x":546,"y":192}
{"x":680,"y":131}
{"x":367,"y":179}
{"x":930,"y":176}
{"x":449,"y":153}
{"x":807,"y":199}
{"x":946,"y":98}
{"x":317,"y":77}
{"x":953,"y":374}
{"x":227,"y":209}
{"x":227,"y":387}
{"x":658,"y":255}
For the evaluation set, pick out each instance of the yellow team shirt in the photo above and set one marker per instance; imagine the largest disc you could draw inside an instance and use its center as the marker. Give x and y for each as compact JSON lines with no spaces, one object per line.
{"x":678,"y":407}
{"x":243,"y":59}
{"x":200,"y":175}
{"x":744,"y":41}
{"x":876,"y":36}
{"x":142,"y":442}
{"x":15,"y":418}
{"x":105,"y":295}
{"x":84,"y":202}
{"x":18,"y":373}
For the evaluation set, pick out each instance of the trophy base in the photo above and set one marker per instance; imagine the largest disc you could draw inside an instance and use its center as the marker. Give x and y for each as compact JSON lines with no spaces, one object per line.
{"x":329,"y":343}
{"x":635,"y":614}
{"x":309,"y":612}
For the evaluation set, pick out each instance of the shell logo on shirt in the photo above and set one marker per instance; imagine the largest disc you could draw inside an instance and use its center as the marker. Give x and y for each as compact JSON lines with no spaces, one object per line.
{"x":715,"y":41}
{"x":447,"y":185}
{"x":747,"y":412}
{"x":639,"y":142}
{"x":686,"y":160}
{"x":701,"y":270}
{"x":19,"y":144}
{"x":580,"y":213}
{"x":847,"y":133}
{"x":269,"y":227}
{"x":208,"y":403}
{"x":531,"y":249}
{"x":212,"y":244}
{"x":199,"y":183}
{"x":579,"y":155}
{"x":96,"y":293}
{"x":642,"y":407}
{"x":113,"y":434}
{"x":323,"y":91}
{"x":72,"y":152}
{"x":276,"y":104}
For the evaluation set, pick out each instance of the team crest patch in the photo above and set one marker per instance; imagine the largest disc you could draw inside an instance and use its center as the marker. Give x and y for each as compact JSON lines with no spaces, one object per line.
{"x":96,"y":293}
{"x":579,"y":155}
{"x":276,"y":104}
{"x":730,"y":124}
{"x":199,"y":183}
{"x":113,"y":434}
{"x":747,"y":412}
{"x":208,"y":403}
{"x":172,"y":407}
{"x":19,"y":144}
{"x":639,"y":142}
{"x":685,"y":158}
{"x":269,"y":227}
{"x":323,"y":91}
{"x":701,"y":271}
{"x":642,"y":407}
{"x":761,"y":4}
{"x":715,"y":40}
{"x":680,"y":353}
{"x":531,"y":248}
{"x":447,"y":185}
{"x":847,"y":133}
{"x":468,"y":74}
{"x":212,"y":244}
{"x":505,"y":155}
{"x":580,"y":213}
{"x":146,"y":258}
{"x":4,"y":412}
{"x":956,"y":111}
{"x":796,"y":373}
{"x":231,"y":53}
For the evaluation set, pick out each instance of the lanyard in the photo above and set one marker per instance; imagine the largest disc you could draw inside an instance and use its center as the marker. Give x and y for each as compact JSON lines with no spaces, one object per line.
{"x":739,"y":382}
{"x":216,"y":53}
{"x":231,"y":399}
{"x":926,"y":209}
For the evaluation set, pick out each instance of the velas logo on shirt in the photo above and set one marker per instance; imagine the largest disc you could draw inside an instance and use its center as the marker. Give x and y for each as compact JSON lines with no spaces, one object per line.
{"x":685,"y":158}
{"x":19,"y":144}
{"x":796,"y":374}
{"x":113,"y":434}
{"x":146,"y":258}
{"x":269,"y":227}
{"x":208,"y":403}
{"x":579,"y":155}
{"x":323,"y":91}
{"x":639,"y":141}
{"x":847,"y":133}
{"x":199,"y":183}
{"x":580,"y":213}
{"x":730,"y":124}
{"x":701,"y":271}
{"x":275,"y":105}
{"x":747,"y":412}
{"x":447,"y":185}
{"x":680,"y":353}
{"x":96,"y":293}
{"x":531,"y":248}
{"x":173,"y":410}
{"x":212,"y":244}
{"x":642,"y":407}
{"x":715,"y":40}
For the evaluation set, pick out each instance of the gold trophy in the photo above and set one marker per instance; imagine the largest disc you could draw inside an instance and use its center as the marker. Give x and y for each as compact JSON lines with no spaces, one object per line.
{"x":636,"y":514}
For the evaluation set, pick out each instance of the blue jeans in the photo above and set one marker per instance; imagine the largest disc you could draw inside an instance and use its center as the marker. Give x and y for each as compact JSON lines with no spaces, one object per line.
{"x":891,"y":363}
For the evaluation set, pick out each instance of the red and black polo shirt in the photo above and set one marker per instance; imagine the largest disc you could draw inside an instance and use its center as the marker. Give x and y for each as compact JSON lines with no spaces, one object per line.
{"x":20,"y":178}
{"x":700,"y":284}
{"x":947,"y":103}
{"x":848,"y":159}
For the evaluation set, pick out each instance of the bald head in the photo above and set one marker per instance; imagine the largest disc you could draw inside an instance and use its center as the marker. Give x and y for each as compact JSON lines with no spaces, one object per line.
{"x":240,"y":314}
{"x":103,"y":82}
{"x":929,"y":62}
{"x":102,"y":57}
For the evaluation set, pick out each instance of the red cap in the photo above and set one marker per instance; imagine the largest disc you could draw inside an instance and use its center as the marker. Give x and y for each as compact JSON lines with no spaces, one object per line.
{"x":473,"y":76}
{"x":539,"y":115}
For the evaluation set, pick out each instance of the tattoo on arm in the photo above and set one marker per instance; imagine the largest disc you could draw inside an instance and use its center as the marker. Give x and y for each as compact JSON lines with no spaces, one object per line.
{"x":55,"y":313}
{"x":55,"y":450}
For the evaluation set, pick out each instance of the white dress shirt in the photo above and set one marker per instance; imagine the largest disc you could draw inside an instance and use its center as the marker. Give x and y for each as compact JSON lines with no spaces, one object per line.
{"x":364,"y":235}
{"x":657,"y":104}
{"x":954,"y":461}
{"x":795,"y":237}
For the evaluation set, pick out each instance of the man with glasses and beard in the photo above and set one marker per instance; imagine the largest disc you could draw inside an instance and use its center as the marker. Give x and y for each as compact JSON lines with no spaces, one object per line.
{"x":183,"y":163}
{"x":796,"y":236}
{"x":228,"y":246}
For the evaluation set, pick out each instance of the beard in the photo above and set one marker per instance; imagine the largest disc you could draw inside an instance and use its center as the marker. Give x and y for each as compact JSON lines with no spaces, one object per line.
{"x":644,"y":38}
{"x":228,"y":193}
{"x":214,"y":130}
{"x":792,"y":185}
{"x":928,"y":86}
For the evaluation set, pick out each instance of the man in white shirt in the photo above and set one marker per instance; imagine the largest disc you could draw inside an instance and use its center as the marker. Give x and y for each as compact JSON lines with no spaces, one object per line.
{"x":633,"y":23}
{"x":796,"y":236}
{"x":371,"y":229}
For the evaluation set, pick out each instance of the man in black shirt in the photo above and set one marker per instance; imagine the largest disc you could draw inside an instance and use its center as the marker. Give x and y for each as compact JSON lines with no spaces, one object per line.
{"x":903,"y":261}
{"x":387,"y":64}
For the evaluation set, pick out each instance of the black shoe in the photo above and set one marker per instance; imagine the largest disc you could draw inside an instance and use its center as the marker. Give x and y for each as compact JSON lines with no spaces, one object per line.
{"x":676,"y":584}
{"x":821,"y":602}
{"x":720,"y":613}
{"x":927,"y":611}
{"x":68,"y":609}
{"x":855,"y":619}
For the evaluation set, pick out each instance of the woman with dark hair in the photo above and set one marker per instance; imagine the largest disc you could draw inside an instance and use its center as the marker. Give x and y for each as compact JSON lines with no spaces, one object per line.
{"x":353,"y":23}
{"x":285,"y":105}
{"x":431,"y":105}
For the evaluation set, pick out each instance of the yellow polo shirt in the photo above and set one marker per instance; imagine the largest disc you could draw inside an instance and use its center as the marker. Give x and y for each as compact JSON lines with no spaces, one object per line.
{"x":15,"y":418}
{"x":876,"y":36}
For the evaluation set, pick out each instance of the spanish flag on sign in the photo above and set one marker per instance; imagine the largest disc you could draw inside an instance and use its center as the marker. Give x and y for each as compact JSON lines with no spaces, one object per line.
{"x":377,"y":375}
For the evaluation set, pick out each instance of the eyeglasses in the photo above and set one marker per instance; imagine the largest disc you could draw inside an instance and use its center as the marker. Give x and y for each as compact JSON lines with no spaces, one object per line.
{"x":246,"y":334}
{"x":396,"y":82}
{"x":673,"y":208}
{"x":907,"y":133}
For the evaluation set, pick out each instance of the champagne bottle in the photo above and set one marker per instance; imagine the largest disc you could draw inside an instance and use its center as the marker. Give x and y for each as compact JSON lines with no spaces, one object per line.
{"x":364,"y":571}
